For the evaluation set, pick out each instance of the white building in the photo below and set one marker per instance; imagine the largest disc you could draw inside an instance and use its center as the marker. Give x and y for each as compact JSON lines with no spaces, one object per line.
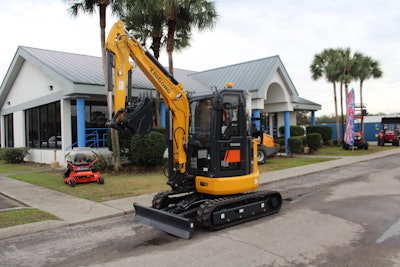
{"x":46,"y":94}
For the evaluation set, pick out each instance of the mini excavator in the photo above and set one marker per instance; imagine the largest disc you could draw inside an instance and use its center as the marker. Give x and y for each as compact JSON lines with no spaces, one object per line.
{"x":212,"y":166}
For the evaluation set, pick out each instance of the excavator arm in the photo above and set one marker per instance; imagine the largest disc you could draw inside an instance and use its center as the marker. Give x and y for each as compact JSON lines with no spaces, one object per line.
{"x":122,"y":47}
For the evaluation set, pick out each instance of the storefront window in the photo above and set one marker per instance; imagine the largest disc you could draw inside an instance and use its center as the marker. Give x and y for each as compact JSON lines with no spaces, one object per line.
{"x":43,"y":126}
{"x":9,"y":130}
{"x":96,"y":114}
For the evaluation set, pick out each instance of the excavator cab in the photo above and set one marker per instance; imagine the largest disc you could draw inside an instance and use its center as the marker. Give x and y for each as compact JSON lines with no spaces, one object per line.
{"x":219,"y":126}
{"x":220,"y":146}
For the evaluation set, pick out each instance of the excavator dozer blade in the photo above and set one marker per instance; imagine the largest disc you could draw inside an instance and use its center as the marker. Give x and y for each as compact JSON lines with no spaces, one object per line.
{"x":165,"y":221}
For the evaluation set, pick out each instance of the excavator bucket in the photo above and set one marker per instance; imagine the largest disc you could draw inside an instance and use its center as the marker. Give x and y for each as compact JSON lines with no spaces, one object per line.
{"x":139,"y":117}
{"x":165,"y":221}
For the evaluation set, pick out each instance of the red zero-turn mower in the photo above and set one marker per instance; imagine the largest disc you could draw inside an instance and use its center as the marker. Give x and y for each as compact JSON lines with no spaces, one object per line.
{"x":81,"y":168}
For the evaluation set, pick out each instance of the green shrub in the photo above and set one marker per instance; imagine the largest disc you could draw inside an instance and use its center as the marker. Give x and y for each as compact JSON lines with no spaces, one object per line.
{"x":104,"y":163}
{"x":324,"y":131}
{"x":303,"y":139}
{"x":159,"y":129}
{"x":294,"y":130}
{"x":295,"y":145}
{"x":13,"y":154}
{"x":314,"y":141}
{"x":124,"y":138}
{"x":147,"y":150}
{"x":280,"y":141}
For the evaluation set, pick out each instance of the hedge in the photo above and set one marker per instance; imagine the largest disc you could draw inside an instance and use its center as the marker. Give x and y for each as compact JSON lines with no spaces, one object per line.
{"x":314,"y":141}
{"x":147,"y":150}
{"x":295,"y":145}
{"x":13,"y":154}
{"x":324,"y":131}
{"x":294,"y":130}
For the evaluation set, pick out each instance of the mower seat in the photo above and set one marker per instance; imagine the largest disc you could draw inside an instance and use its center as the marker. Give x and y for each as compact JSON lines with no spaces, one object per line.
{"x":80,"y":159}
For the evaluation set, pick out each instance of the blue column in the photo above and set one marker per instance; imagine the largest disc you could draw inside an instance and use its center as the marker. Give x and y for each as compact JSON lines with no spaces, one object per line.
{"x":312,"y":117}
{"x":80,"y":121}
{"x":163,"y":114}
{"x":257,"y":115}
{"x":287,"y":130}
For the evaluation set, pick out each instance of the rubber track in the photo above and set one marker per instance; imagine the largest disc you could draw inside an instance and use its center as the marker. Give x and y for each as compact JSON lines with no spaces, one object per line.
{"x":205,"y":211}
{"x":159,"y":199}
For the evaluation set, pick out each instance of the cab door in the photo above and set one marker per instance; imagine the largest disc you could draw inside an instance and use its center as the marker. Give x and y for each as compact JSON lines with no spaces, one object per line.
{"x":232,"y":145}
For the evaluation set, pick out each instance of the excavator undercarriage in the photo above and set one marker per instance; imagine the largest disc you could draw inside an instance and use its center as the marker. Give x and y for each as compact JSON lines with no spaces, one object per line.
{"x":178,"y":214}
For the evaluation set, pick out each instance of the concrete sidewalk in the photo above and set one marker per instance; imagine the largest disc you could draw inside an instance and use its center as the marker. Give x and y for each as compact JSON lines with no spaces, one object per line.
{"x":73,"y":210}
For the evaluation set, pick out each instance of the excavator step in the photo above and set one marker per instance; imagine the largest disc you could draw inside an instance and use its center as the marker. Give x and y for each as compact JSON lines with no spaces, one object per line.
{"x":165,"y":221}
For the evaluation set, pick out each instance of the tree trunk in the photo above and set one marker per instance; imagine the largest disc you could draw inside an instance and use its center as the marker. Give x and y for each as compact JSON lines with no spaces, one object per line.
{"x":170,"y":44}
{"x":361,"y":98}
{"x":114,"y":133}
{"x":336,"y":114}
{"x":342,"y":110}
{"x":156,"y":51}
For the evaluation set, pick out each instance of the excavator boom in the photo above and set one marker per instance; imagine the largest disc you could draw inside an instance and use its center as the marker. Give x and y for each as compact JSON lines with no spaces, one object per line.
{"x":123,"y":47}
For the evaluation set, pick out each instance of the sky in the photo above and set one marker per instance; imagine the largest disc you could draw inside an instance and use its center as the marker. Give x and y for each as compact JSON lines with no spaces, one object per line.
{"x":246,"y":30}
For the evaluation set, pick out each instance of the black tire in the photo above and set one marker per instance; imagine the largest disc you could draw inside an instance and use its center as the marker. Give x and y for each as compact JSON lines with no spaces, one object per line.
{"x":72,"y":182}
{"x":261,"y":155}
{"x":365,"y":146}
{"x":346,"y":146}
{"x":101,"y":180}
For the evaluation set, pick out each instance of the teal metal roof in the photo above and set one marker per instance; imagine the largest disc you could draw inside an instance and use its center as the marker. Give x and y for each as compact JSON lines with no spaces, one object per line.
{"x":83,"y":69}
{"x":77,"y":68}
{"x":251,"y":75}
{"x":70,"y":68}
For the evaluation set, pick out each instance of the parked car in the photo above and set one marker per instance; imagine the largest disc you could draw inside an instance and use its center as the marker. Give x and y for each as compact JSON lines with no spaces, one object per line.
{"x":54,"y":141}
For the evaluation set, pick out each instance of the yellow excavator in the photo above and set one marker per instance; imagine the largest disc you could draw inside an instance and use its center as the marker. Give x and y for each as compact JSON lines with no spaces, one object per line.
{"x":213,"y":170}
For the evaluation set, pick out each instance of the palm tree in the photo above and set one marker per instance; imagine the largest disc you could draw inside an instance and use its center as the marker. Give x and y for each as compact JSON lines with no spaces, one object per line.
{"x":366,"y":68}
{"x":327,"y":64}
{"x":146,"y":18}
{"x":90,"y":6}
{"x":167,"y":22}
{"x":348,"y":65}
{"x":182,"y":16}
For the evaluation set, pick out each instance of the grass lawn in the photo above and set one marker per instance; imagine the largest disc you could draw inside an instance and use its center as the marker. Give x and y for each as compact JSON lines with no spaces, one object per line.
{"x":22,"y":167}
{"x":275,"y":164}
{"x":340,"y":152}
{"x":123,"y":185}
{"x":132,"y":184}
{"x":23,"y":216}
{"x":114,"y":187}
